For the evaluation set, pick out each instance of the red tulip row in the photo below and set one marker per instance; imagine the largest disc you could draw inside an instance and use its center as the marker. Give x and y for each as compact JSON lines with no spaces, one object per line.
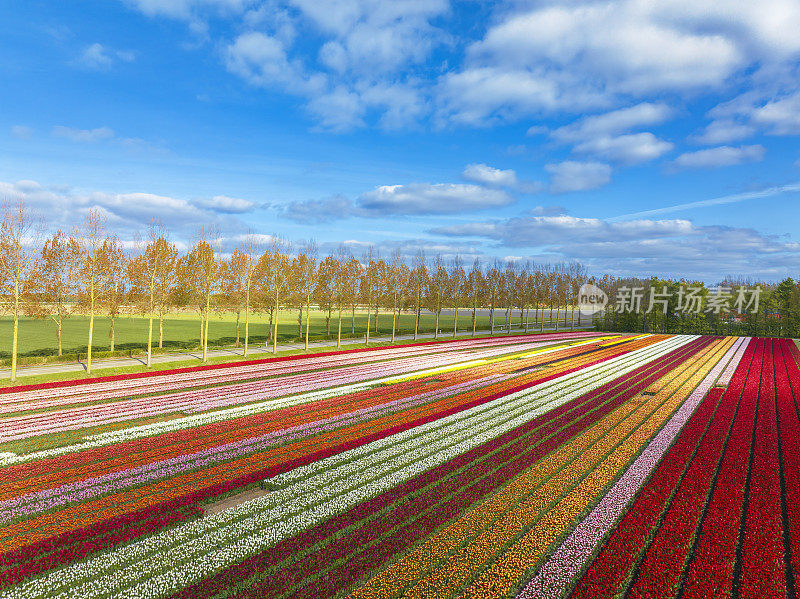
{"x":697,"y":450}
{"x":711,"y":572}
{"x":32,"y":563}
{"x":485,"y":473}
{"x":763,"y":569}
{"x":787,"y":383}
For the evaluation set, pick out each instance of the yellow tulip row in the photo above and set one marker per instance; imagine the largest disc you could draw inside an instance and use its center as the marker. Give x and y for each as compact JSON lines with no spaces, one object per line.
{"x":530,"y":548}
{"x":435,"y":553}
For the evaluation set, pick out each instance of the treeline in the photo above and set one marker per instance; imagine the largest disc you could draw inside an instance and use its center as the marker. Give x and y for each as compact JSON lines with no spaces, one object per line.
{"x":89,"y":271}
{"x":777,"y":313}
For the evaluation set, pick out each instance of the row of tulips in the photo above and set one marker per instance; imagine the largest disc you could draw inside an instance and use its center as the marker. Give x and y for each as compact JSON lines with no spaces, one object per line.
{"x":413,"y":516}
{"x":700,"y":442}
{"x":249,"y":539}
{"x":428,"y":396}
{"x":101,"y":440}
{"x":712,"y":568}
{"x":787,"y":379}
{"x":27,"y":505}
{"x":512,"y":562}
{"x":34,"y":563}
{"x":76,"y":418}
{"x":690,"y":422}
{"x":151,"y":382}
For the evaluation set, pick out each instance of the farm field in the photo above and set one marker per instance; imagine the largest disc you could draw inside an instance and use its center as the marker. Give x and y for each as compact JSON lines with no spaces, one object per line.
{"x":38,"y":337}
{"x":574,"y":464}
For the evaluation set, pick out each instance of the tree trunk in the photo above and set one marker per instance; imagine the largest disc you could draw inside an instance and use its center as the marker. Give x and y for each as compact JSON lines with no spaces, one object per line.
{"x":436,"y":326}
{"x":339,"y":334}
{"x":308,"y":316}
{"x":394,"y":317}
{"x":161,"y":329}
{"x":238,"y":317}
{"x":91,"y":331}
{"x":246,"y":322}
{"x":491,"y":320}
{"x":353,"y":321}
{"x":275,"y":329}
{"x":376,"y":316}
{"x":328,"y":322}
{"x":455,"y":322}
{"x":474,"y":314}
{"x":58,"y":333}
{"x":416,"y":319}
{"x":16,"y":330}
{"x":150,"y":336}
{"x":111,"y":331}
{"x":369,"y":313}
{"x":205,"y":336}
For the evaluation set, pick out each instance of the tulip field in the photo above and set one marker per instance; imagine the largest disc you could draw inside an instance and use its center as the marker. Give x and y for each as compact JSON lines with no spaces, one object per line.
{"x":573,"y":464}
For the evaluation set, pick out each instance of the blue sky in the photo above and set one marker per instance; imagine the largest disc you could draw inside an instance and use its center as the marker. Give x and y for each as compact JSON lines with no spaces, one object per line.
{"x":637,"y":137}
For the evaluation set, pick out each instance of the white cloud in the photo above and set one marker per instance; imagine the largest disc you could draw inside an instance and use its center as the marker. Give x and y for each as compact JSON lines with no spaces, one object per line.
{"x":262,"y":60}
{"x":613,"y":123}
{"x":316,"y":212}
{"x":627,"y":149}
{"x":571,"y":175}
{"x":226,"y":204}
{"x":186,"y":9}
{"x":127,"y":213}
{"x":21,"y":132}
{"x":780,"y":117}
{"x":99,"y":57}
{"x":83,"y":135}
{"x":723,"y":131}
{"x":643,"y":247}
{"x":490,"y":176}
{"x":427,"y":198}
{"x":721,"y":156}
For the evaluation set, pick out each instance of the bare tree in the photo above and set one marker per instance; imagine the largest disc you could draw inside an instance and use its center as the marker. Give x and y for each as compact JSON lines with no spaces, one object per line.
{"x":152,"y":274}
{"x":418,"y":281}
{"x":53,"y":282}
{"x":200,"y":273}
{"x":92,"y":238}
{"x":113,"y":283}
{"x":20,"y":241}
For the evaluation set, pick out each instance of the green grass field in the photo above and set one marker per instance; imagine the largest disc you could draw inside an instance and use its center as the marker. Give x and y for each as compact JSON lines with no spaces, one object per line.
{"x":182,"y":331}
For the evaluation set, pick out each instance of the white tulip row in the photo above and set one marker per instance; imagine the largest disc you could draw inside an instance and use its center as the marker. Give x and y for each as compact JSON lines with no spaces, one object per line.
{"x":183,"y":555}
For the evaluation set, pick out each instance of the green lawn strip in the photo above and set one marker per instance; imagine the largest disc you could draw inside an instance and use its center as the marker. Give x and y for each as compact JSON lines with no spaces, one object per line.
{"x":620,"y":389}
{"x":38,"y":338}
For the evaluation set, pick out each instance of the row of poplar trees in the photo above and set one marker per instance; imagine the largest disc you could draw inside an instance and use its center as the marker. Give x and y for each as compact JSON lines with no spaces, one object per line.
{"x":90,"y":271}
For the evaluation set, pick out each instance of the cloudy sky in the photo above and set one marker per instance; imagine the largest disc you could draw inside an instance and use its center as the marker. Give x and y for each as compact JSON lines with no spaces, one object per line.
{"x":639,"y":137}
